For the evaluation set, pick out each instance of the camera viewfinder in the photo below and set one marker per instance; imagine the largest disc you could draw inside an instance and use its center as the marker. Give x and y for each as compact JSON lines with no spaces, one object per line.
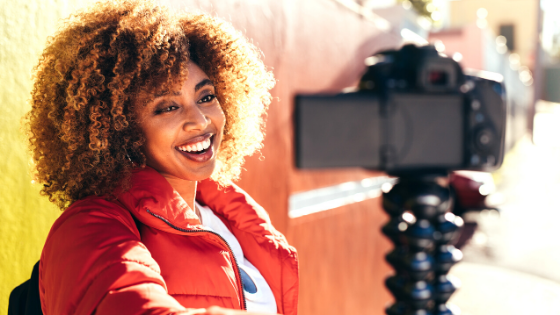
{"x":438,"y":78}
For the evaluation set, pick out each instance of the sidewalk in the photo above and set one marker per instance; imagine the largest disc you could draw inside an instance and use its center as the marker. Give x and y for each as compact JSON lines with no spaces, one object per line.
{"x":490,"y":290}
{"x":512,"y":264}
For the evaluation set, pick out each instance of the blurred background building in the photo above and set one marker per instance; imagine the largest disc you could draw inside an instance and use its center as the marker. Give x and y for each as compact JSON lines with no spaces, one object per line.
{"x":332,"y":217}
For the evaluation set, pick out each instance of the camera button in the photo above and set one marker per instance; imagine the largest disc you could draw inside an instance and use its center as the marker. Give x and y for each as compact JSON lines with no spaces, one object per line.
{"x":475,"y":104}
{"x":479,"y":118}
{"x":484,"y":139}
{"x":475,"y":159}
{"x":469,"y":85}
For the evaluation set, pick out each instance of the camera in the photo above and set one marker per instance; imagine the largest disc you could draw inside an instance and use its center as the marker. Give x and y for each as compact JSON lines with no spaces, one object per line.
{"x":415,"y":110}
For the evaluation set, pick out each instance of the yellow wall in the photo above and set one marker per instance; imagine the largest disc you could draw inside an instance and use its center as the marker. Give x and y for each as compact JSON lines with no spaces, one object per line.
{"x":25,"y":217}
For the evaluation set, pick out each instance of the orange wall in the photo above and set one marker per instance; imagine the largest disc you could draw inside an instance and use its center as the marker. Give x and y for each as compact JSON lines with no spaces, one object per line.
{"x":314,"y":46}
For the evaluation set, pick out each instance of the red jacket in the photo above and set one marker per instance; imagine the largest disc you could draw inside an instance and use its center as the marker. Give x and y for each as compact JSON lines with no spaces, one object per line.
{"x":146,"y":253}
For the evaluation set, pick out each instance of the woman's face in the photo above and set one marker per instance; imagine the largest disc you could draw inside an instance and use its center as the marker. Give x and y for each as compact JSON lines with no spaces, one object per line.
{"x":183,"y":129}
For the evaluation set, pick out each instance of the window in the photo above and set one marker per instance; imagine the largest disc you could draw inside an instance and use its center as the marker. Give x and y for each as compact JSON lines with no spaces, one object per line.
{"x":508,"y":31}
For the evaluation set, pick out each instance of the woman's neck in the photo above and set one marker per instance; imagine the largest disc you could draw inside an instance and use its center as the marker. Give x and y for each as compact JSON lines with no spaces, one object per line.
{"x":185,"y":188}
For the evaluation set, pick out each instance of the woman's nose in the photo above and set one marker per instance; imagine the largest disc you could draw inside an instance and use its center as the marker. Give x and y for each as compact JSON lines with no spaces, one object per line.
{"x":195,"y":119}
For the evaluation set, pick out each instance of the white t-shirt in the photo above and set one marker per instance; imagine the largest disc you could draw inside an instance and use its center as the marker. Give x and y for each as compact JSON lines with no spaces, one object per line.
{"x":260,"y":301}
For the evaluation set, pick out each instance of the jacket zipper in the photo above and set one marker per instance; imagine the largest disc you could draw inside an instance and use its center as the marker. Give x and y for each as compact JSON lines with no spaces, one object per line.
{"x":243,"y":304}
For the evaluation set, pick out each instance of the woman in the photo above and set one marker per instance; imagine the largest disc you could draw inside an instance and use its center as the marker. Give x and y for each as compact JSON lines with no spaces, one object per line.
{"x":140,"y":120}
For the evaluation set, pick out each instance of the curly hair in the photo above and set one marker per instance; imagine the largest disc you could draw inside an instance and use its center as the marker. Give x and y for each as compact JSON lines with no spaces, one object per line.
{"x":83,"y":134}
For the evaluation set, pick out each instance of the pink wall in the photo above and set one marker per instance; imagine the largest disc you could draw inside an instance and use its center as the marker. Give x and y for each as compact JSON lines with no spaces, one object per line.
{"x":468,"y":41}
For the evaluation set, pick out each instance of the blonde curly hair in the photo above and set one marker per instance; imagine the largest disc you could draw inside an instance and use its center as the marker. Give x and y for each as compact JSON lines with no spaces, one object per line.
{"x":82,"y":131}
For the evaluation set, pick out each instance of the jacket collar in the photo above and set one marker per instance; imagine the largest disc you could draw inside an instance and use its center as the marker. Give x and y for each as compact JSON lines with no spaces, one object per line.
{"x":154,"y":202}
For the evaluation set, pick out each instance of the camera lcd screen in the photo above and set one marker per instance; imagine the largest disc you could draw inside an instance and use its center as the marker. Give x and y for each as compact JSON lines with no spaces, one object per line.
{"x":337,"y":131}
{"x":416,"y":131}
{"x":426,"y":131}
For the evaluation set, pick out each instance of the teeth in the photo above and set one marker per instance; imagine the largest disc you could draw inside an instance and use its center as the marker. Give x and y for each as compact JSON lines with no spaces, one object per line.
{"x":206,"y":144}
{"x":195,"y":147}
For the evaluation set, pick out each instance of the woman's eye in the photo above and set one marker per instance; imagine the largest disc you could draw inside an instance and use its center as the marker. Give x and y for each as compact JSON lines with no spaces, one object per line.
{"x":207,"y":98}
{"x":166,"y":109}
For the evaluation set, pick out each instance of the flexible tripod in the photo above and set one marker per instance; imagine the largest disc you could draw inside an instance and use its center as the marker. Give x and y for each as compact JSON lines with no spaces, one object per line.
{"x":422,"y":230}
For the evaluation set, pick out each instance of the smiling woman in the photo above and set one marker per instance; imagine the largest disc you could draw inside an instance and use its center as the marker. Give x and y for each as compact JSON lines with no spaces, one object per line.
{"x":183,"y":131}
{"x":141,"y":118}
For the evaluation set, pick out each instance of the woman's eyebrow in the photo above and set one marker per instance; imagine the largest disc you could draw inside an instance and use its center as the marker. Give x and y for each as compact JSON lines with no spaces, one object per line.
{"x":178,"y":93}
{"x":203,"y":83}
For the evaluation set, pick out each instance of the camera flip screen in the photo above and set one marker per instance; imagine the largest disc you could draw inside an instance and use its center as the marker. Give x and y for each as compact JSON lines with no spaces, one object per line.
{"x":354,"y":130}
{"x":427,"y":131}
{"x":337,"y":131}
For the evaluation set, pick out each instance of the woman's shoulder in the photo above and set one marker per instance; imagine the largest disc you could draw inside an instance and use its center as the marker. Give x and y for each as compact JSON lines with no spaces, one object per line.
{"x":93,"y":247}
{"x":93,"y":213}
{"x":103,"y":206}
{"x":242,"y":213}
{"x":233,"y":204}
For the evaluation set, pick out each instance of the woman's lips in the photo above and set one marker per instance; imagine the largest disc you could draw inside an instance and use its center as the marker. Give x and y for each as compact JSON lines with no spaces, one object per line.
{"x":192,"y":152}
{"x":194,"y":147}
{"x":195,"y":140}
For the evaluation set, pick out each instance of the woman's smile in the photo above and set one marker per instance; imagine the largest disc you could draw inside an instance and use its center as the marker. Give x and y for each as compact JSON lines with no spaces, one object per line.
{"x":199,"y":149}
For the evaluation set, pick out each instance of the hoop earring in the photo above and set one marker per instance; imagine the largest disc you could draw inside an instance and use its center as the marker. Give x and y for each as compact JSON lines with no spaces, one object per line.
{"x":128,"y":156}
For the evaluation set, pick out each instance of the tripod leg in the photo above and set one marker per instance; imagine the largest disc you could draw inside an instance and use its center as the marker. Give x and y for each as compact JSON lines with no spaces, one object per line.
{"x":422,"y":230}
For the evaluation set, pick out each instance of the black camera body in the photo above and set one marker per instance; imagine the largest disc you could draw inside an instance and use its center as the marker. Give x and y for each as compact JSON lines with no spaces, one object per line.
{"x":415,"y":111}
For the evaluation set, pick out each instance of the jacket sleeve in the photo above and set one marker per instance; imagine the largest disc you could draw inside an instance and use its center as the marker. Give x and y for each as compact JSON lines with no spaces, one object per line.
{"x":94,"y":261}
